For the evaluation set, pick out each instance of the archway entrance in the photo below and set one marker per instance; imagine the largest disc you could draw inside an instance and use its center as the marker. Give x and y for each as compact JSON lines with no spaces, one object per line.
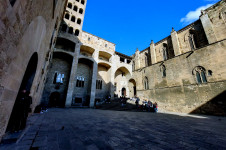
{"x":123,"y":91}
{"x":16,"y":122}
{"x":132,"y":88}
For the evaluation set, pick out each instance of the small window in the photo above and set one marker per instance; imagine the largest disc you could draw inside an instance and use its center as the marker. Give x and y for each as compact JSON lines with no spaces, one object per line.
{"x":88,"y":38}
{"x":58,"y":78}
{"x":70,"y":30}
{"x":163,"y":70}
{"x":73,"y":18}
{"x":67,"y":16}
{"x":83,"y":2}
{"x":99,"y":84}
{"x":165,"y":51}
{"x":75,"y":8}
{"x":81,"y":11}
{"x":146,"y":85}
{"x":106,"y":45}
{"x":210,"y":73}
{"x":77,"y":32}
{"x":64,"y":28}
{"x":80,"y":82}
{"x":69,"y":5}
{"x":79,"y":21}
{"x":12,"y":2}
{"x":122,"y":59}
{"x":200,"y":74}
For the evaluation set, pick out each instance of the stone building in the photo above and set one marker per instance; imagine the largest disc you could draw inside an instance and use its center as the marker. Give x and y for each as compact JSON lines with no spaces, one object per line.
{"x":27,"y":34}
{"x":183,"y":72}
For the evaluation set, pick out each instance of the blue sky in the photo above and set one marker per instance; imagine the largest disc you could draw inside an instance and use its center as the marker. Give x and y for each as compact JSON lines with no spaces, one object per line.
{"x":132,"y":24}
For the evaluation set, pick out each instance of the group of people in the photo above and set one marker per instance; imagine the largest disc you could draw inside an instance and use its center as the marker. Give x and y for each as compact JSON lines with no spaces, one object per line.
{"x":21,"y":111}
{"x":146,"y":105}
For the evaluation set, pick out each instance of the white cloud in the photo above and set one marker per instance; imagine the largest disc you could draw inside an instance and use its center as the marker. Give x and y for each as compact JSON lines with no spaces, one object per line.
{"x":194,"y":15}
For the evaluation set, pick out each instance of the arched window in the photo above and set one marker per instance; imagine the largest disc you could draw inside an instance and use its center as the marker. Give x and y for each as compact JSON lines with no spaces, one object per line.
{"x":200,"y":74}
{"x":83,"y":2}
{"x":163,"y":70}
{"x":79,"y":21}
{"x":70,"y":30}
{"x":133,"y":66}
{"x":165,"y":51}
{"x":69,"y":5}
{"x":77,"y":32}
{"x":146,"y":59}
{"x":64,"y":28}
{"x":191,"y":39}
{"x":73,"y":18}
{"x":75,"y":8}
{"x":67,"y":16}
{"x":81,"y":11}
{"x":146,"y":86}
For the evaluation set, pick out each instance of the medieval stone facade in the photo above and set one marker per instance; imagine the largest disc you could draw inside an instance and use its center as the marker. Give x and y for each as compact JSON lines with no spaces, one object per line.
{"x":184,"y":72}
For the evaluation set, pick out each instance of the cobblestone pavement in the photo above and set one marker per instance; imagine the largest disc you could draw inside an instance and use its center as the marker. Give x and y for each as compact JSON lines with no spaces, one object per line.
{"x":92,"y":129}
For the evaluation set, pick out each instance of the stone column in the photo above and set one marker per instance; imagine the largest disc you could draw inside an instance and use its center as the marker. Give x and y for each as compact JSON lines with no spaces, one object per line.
{"x":153,"y":52}
{"x":112,"y":79}
{"x":94,"y":78}
{"x":175,"y":42}
{"x":72,"y":80}
{"x":207,"y":25}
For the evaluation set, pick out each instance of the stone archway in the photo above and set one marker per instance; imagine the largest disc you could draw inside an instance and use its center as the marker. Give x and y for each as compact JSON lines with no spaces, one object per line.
{"x":16,"y":122}
{"x":132,"y":88}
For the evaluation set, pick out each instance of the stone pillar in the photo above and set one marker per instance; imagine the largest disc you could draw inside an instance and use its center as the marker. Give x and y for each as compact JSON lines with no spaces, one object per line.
{"x":153,"y":52}
{"x":207,"y":26}
{"x":94,"y":78}
{"x":72,"y":80}
{"x":175,"y":42}
{"x":112,"y":80}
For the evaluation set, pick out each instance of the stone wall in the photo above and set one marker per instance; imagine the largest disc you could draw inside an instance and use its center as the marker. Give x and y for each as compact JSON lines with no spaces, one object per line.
{"x":25,"y":28}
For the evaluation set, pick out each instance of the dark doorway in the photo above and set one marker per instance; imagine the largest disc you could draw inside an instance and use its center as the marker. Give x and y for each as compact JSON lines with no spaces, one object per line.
{"x":26,"y":84}
{"x":135,"y":90}
{"x":54,"y":99}
{"x":123,"y":91}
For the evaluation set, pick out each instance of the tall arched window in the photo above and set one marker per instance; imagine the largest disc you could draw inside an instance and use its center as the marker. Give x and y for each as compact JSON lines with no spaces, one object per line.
{"x":146,"y":59}
{"x":163,"y":70}
{"x":81,"y":11}
{"x":146,"y":86}
{"x":75,"y":8}
{"x":200,"y":74}
{"x":73,"y":18}
{"x":191,"y":39}
{"x":69,"y":5}
{"x":67,"y":16}
{"x":77,"y":32}
{"x":133,"y":66}
{"x":79,"y":21}
{"x":83,"y":2}
{"x":70,"y":30}
{"x":165,"y":51}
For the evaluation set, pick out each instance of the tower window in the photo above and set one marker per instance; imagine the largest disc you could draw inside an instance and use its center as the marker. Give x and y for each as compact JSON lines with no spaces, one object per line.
{"x":67,"y":16}
{"x":73,"y":18}
{"x":79,"y":21}
{"x":81,"y":11}
{"x":165,"y":51}
{"x":58,"y":78}
{"x":64,"y":28}
{"x":83,"y":2}
{"x":70,"y":30}
{"x":69,"y":5}
{"x":163,"y":70}
{"x":75,"y":8}
{"x":77,"y":32}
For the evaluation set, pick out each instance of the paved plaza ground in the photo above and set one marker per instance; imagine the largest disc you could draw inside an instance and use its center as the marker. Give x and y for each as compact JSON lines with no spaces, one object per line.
{"x":92,"y":129}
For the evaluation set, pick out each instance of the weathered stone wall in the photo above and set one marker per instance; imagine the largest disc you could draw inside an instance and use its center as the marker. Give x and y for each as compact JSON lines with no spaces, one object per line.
{"x":25,"y":28}
{"x":179,"y":90}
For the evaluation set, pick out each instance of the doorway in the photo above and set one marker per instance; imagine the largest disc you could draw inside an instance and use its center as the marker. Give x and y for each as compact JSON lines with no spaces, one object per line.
{"x":26,"y":84}
{"x":124,"y":92}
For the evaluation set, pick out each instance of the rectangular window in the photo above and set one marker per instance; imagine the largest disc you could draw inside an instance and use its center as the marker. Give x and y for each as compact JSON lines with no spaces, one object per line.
{"x":99,"y":84}
{"x":80,"y":82}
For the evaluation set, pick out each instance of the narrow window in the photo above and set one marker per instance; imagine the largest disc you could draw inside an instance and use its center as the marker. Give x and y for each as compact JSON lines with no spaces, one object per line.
{"x":204,"y":80}
{"x":69,"y":5}
{"x":146,"y":59}
{"x":163,"y":71}
{"x":99,"y":84}
{"x":198,"y":77}
{"x":76,"y":32}
{"x":146,"y":86}
{"x":165,"y":52}
{"x":81,"y":11}
{"x":80,"y":82}
{"x":133,"y":66}
{"x":67,"y":16}
{"x":55,"y":77}
{"x":106,"y":45}
{"x":75,"y":8}
{"x":73,"y":18}
{"x":83,"y":2}
{"x":79,"y":21}
{"x":70,"y":30}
